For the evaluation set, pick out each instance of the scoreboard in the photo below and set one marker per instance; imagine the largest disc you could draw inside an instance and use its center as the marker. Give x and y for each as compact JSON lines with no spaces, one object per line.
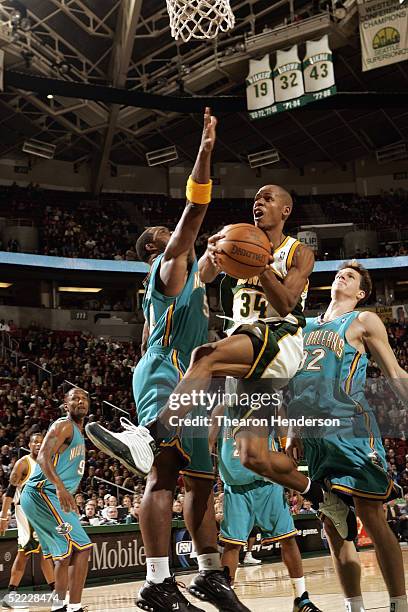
{"x":293,"y":82}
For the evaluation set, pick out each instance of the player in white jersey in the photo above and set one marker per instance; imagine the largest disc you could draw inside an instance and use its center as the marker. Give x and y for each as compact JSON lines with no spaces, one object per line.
{"x":27,"y":544}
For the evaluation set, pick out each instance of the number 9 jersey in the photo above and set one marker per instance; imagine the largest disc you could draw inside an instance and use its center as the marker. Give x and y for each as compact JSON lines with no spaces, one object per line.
{"x":69,"y":465}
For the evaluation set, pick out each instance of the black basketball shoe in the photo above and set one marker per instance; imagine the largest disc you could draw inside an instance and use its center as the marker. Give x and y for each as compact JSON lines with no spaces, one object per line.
{"x":215,"y":587}
{"x":303,"y":604}
{"x":164,"y":597}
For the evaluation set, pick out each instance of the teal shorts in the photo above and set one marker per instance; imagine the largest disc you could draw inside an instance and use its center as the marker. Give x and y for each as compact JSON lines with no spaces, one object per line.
{"x":154,"y":379}
{"x":59,"y":533}
{"x":261,"y":504}
{"x":351,"y":466}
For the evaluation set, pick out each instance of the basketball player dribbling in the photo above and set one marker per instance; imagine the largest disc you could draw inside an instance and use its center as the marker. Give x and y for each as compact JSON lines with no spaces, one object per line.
{"x":176,"y":314}
{"x":265,"y":342}
{"x":351,"y":461}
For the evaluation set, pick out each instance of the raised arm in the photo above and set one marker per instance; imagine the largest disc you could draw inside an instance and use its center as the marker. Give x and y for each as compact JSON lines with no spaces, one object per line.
{"x":375,"y":338}
{"x":180,"y":247}
{"x":18,"y":473}
{"x":58,"y":436}
{"x":284,"y":296}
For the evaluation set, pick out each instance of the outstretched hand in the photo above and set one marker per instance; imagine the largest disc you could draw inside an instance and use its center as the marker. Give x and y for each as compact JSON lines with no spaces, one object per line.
{"x":208,"y":137}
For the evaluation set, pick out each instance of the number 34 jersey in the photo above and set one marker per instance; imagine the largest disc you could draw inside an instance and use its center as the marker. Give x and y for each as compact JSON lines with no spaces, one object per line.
{"x":244,"y":301}
{"x":69,"y":465}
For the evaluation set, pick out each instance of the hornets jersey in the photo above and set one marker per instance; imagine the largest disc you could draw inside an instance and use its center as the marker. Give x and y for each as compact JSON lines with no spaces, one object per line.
{"x":69,"y":465}
{"x":244,"y":300}
{"x":332,"y":377}
{"x":180,"y":322}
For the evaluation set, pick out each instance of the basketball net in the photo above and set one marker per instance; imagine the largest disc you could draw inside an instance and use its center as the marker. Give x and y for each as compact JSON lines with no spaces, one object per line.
{"x":199,"y":18}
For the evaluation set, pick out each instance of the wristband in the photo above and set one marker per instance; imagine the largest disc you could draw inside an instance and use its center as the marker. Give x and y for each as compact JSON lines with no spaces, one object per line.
{"x":198,"y":193}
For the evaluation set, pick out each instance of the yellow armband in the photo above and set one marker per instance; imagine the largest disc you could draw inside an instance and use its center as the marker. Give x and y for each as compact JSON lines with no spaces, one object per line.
{"x":198,"y":193}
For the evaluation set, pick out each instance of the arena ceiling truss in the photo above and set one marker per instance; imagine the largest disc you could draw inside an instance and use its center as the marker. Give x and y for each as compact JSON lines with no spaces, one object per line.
{"x":126,"y":44}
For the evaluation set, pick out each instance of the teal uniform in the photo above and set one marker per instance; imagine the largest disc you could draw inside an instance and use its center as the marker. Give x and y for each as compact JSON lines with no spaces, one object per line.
{"x":349,"y":458}
{"x":59,"y":532}
{"x":177,"y":326}
{"x":249,"y":499}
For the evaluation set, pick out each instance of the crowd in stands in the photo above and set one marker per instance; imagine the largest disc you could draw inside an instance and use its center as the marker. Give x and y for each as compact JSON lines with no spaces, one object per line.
{"x":73,"y":226}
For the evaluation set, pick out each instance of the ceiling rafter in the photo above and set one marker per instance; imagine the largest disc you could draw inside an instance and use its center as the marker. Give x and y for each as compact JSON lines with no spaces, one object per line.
{"x":120,"y":60}
{"x":91,"y":23}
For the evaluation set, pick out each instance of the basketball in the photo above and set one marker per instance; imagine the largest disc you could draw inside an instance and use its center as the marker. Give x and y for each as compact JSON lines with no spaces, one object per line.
{"x":245,"y":250}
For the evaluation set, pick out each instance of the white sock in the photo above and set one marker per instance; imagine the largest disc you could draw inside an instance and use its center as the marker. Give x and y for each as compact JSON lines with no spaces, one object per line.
{"x":298,"y":586}
{"x":74,"y":607}
{"x":399,"y":604}
{"x":354,"y":604}
{"x":158,"y":569}
{"x":309,"y":482}
{"x":209,"y":561}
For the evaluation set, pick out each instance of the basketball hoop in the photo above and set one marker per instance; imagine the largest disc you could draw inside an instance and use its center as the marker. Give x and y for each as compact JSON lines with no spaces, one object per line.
{"x":199,"y":19}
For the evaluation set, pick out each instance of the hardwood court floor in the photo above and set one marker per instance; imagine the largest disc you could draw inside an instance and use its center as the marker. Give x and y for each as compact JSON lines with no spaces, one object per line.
{"x":266,"y":588}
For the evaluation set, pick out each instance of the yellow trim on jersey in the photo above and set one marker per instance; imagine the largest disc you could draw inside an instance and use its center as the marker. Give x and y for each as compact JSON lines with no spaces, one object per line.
{"x":261,"y":352}
{"x":169,"y":320}
{"x":282,"y":244}
{"x":360,"y":493}
{"x":353,"y":367}
{"x":290,"y":534}
{"x":291,"y":254}
{"x":230,"y":541}
{"x":195,"y":474}
{"x":175,"y":362}
{"x":56,"y":458}
{"x":176,"y":442}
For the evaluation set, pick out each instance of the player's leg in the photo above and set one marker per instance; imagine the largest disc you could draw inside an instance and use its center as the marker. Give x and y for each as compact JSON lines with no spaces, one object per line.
{"x":275,"y":520}
{"x":213,"y":581}
{"x":293,"y":562}
{"x":156,"y":509}
{"x":77,"y":573}
{"x":61,"y":573}
{"x":347,"y":566}
{"x":199,"y":516}
{"x":249,"y":559}
{"x":160,"y":592}
{"x":47,"y":568}
{"x":387,"y":550}
{"x":230,"y":558}
{"x":255,"y":455}
{"x":17,"y":570}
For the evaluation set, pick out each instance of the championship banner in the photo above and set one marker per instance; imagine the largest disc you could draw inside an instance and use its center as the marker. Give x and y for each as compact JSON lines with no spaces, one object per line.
{"x":383,"y":32}
{"x":295,"y":82}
